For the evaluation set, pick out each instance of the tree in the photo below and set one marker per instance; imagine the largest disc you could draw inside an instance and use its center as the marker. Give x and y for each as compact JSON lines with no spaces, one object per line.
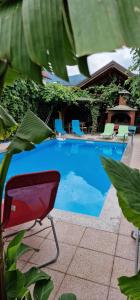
{"x":22,"y":95}
{"x":133,"y":83}
{"x":136,"y":60}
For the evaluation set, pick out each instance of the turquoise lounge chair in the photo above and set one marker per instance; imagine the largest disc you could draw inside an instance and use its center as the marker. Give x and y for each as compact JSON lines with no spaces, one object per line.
{"x":122,"y":132}
{"x":108,"y":131}
{"x":76,"y":128}
{"x":59,"y":126}
{"x":132,"y":129}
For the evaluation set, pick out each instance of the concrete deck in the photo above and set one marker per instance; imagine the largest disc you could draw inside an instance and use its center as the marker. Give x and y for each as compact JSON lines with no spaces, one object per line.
{"x":91,"y":257}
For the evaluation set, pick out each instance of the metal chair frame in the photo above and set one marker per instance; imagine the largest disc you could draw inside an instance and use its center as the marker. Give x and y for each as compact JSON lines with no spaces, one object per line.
{"x":137,"y":250}
{"x":39,"y":221}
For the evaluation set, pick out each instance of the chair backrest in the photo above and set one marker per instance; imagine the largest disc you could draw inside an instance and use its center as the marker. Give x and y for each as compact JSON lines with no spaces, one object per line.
{"x":109,"y":127}
{"x":58,"y":125}
{"x":75,"y":124}
{"x":132,"y":128}
{"x":29,"y":197}
{"x":123,"y":129}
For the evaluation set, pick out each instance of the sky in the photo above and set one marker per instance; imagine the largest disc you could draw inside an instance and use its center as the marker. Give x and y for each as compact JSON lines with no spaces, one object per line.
{"x":97,"y":61}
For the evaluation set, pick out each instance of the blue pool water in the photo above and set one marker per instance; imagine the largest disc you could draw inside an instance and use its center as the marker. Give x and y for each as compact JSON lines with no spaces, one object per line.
{"x":84,"y":183}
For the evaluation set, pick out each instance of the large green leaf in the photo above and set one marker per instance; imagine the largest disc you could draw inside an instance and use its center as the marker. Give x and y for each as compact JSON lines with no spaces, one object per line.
{"x":96,"y":25}
{"x":13,"y":250}
{"x":12,"y":75}
{"x":32,"y":131}
{"x":68,"y":296}
{"x":42,"y":289}
{"x":129,"y":12}
{"x":33,"y":275}
{"x":13,"y":46}
{"x":22,"y":250}
{"x":43,"y":29}
{"x":127,"y":183}
{"x":18,"y":48}
{"x":6,"y":119}
{"x":54,"y":33}
{"x":3,"y":67}
{"x":6,"y":122}
{"x":14,"y":283}
{"x":130,"y":286}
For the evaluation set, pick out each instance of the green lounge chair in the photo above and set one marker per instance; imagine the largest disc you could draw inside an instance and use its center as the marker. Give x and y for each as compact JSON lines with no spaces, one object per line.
{"x":122,"y":132}
{"x":108,"y":131}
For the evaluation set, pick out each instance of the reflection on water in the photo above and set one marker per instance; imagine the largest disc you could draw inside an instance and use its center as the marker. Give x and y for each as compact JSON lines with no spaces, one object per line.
{"x":76,"y":195}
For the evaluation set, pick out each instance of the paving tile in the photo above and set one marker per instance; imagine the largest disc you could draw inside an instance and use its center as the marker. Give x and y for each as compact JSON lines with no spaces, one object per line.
{"x":68,"y":233}
{"x":122,"y":267}
{"x":115,"y":294}
{"x":44,"y":233}
{"x":91,"y":265}
{"x":21,"y":264}
{"x":83,"y":289}
{"x":33,"y":241}
{"x":57,"y":278}
{"x":126,"y":247}
{"x":48,"y":251}
{"x":99,"y":240}
{"x":126,"y":227}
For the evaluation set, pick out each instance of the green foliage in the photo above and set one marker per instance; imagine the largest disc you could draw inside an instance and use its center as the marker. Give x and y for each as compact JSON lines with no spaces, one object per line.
{"x":130,"y":286}
{"x":8,"y":134}
{"x":31,"y":131}
{"x":19,"y":97}
{"x":18,"y":283}
{"x":58,"y":93}
{"x":127,"y":183}
{"x":94,"y":110}
{"x":133,"y":83}
{"x":67,"y":297}
{"x":8,"y":125}
{"x":136,"y":59}
{"x":23,"y":95}
{"x":106,"y":94}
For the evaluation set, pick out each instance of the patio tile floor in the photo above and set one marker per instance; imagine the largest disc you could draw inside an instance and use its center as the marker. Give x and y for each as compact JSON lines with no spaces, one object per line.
{"x":68,"y":233}
{"x":125,"y":247}
{"x":122,"y":267}
{"x":115,"y":295}
{"x":84,"y":289}
{"x":98,"y":240}
{"x":90,"y":259}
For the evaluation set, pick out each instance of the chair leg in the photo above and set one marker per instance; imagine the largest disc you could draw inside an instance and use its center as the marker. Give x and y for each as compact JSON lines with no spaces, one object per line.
{"x":137,"y":252}
{"x":56,"y":244}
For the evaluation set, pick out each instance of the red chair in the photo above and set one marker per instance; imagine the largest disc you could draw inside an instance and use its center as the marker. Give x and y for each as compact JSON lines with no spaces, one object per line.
{"x":31,"y":197}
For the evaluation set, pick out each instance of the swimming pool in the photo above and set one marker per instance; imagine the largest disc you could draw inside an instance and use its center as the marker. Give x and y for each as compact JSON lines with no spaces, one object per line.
{"x":84,"y":183}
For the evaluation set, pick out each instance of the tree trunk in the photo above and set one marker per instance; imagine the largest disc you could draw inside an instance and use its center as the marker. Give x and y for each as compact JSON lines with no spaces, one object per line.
{"x":3,"y":69}
{"x":2,"y":284}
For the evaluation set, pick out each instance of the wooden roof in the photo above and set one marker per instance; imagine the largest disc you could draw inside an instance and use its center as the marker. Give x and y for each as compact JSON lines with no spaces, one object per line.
{"x":122,"y":108}
{"x":103,"y":74}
